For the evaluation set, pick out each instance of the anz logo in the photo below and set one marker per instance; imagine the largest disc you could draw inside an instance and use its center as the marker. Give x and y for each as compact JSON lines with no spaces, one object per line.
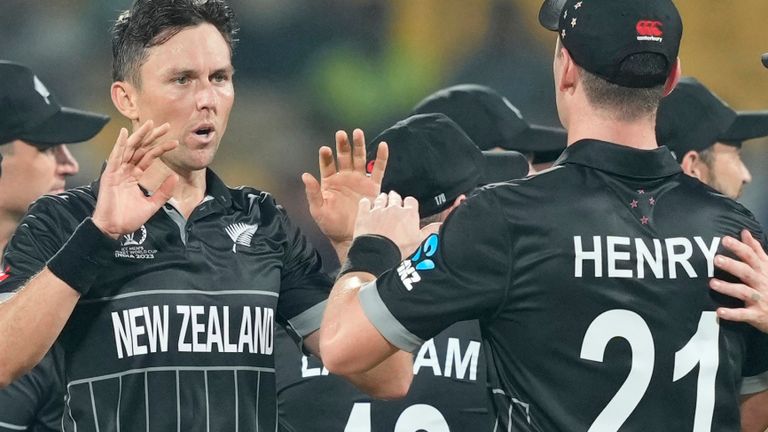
{"x":419,"y":261}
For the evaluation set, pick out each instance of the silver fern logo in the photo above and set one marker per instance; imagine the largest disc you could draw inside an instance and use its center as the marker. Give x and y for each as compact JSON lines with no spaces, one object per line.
{"x":241,"y":234}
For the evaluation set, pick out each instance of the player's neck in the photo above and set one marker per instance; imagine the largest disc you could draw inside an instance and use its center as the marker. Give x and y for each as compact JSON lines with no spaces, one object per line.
{"x":189,"y":190}
{"x":590,"y":124}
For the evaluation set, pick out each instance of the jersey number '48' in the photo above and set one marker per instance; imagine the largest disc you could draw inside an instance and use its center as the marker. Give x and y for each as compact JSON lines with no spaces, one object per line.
{"x":701,"y":349}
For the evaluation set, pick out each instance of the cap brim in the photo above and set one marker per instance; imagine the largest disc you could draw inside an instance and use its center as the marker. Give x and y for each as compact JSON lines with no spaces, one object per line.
{"x":65,"y":127}
{"x":764,"y":59}
{"x":536,"y":139}
{"x":748,"y":125}
{"x":502,"y":166}
{"x":549,"y":14}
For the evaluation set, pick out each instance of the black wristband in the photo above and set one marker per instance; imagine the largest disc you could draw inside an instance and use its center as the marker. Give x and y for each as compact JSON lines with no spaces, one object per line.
{"x":79,"y":261}
{"x":372,"y":254}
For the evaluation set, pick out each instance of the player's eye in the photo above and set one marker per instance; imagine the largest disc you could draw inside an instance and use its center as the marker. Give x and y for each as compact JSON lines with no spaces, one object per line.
{"x":220,"y":77}
{"x":181,"y":79}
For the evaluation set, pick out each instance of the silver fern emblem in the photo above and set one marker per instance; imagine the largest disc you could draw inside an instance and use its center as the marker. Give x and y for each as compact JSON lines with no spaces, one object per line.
{"x":241,"y":234}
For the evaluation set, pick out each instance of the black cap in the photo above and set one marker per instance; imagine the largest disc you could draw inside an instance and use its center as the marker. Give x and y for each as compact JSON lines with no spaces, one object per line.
{"x":29,"y":112}
{"x":491,"y":120}
{"x":764,"y":59}
{"x":694,"y":118}
{"x":601,"y":34}
{"x":434,"y":161}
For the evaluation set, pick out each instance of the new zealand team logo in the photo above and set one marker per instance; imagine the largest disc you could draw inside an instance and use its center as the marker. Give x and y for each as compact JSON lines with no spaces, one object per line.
{"x":419,"y":261}
{"x":131,"y":245}
{"x":241,"y":234}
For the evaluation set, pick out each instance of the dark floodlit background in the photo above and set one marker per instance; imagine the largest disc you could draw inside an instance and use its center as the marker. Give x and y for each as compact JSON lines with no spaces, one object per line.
{"x":306,"y":68}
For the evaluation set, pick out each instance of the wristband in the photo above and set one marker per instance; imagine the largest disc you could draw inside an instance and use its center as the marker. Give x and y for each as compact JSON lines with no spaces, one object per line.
{"x":372,"y":254}
{"x":86,"y":252}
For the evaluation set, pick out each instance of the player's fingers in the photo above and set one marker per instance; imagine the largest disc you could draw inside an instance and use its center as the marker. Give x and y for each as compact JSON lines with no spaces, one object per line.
{"x":326,"y":163}
{"x":312,"y":190}
{"x":737,"y":268}
{"x":113,"y":161}
{"x":358,"y":150}
{"x":135,"y":140}
{"x":380,"y":201}
{"x":743,"y":251}
{"x":735,"y":290}
{"x":155,"y":153}
{"x":343,"y":151}
{"x":737,"y":314}
{"x":165,"y":191}
{"x":395,"y":200}
{"x":752,"y":242}
{"x":363,"y":206}
{"x":155,"y":134}
{"x":411,"y":203}
{"x":380,"y":165}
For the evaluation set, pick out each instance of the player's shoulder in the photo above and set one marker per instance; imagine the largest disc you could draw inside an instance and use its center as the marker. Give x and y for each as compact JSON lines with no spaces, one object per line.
{"x":257,"y":204}
{"x":71,"y":205}
{"x":705,"y":195}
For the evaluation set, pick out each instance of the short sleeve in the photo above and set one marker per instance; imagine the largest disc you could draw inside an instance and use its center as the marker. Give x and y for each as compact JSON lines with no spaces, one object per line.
{"x":37,"y":238}
{"x":304,"y":287}
{"x":459,"y":274}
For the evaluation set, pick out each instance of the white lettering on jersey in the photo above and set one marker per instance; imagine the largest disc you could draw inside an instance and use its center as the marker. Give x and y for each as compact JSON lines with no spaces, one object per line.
{"x":665,"y":258}
{"x":137,"y":322}
{"x":408,"y":274}
{"x":308,"y":372}
{"x":457,"y":362}
{"x":203,"y":329}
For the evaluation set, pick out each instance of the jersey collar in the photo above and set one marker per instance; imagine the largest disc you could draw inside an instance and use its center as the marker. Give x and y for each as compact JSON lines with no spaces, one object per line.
{"x":621,"y":160}
{"x":214,"y":187}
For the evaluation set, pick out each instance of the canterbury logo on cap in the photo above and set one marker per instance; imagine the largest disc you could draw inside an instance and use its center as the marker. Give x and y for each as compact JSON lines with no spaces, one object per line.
{"x":649,"y":30}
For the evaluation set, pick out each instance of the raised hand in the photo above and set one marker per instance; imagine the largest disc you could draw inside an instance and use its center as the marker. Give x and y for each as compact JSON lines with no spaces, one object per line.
{"x":393,"y":217}
{"x":122,"y":207}
{"x":752,"y":271}
{"x":333,"y":201}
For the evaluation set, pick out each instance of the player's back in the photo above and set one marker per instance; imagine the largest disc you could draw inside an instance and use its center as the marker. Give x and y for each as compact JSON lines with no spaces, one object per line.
{"x":608,"y":322}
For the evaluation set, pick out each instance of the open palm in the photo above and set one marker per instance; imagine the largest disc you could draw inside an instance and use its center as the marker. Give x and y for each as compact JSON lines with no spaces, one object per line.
{"x":333,"y":201}
{"x":122,"y":206}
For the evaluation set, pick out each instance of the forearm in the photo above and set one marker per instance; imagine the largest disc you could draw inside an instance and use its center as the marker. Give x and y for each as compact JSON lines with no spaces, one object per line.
{"x":754,"y":412}
{"x":31,"y":321}
{"x":352,"y":347}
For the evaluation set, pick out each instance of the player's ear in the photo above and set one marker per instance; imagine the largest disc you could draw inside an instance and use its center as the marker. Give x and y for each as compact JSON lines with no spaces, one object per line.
{"x":692,"y":164}
{"x":124,"y":97}
{"x":569,"y":73}
{"x":459,"y":199}
{"x":673,"y":78}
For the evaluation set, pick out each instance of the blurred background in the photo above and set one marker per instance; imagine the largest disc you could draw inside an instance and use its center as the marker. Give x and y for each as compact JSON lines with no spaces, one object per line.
{"x":308,"y":68}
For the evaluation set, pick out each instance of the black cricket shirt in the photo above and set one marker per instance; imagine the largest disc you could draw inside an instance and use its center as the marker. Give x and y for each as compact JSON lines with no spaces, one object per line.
{"x":590,"y":281}
{"x":177,"y":333}
{"x":448,"y":392}
{"x":35,"y":401}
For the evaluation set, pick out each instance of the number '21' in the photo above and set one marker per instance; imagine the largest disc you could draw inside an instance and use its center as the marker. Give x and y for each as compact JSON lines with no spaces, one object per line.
{"x":701,"y":349}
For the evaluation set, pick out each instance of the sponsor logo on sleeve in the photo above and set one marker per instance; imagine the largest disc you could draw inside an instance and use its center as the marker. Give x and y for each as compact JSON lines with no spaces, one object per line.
{"x":419,"y":261}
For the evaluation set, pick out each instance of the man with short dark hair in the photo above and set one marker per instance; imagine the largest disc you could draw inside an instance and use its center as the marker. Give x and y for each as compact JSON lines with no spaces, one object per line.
{"x":34,"y":131}
{"x":705,"y":135}
{"x":590,"y":279}
{"x":432,"y":159}
{"x":162,"y":284}
{"x":493,"y":123}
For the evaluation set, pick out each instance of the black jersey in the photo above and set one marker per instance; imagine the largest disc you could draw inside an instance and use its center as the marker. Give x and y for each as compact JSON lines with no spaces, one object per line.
{"x":590,"y":281}
{"x":177,"y":333}
{"x":448,"y":392}
{"x":35,"y":401}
